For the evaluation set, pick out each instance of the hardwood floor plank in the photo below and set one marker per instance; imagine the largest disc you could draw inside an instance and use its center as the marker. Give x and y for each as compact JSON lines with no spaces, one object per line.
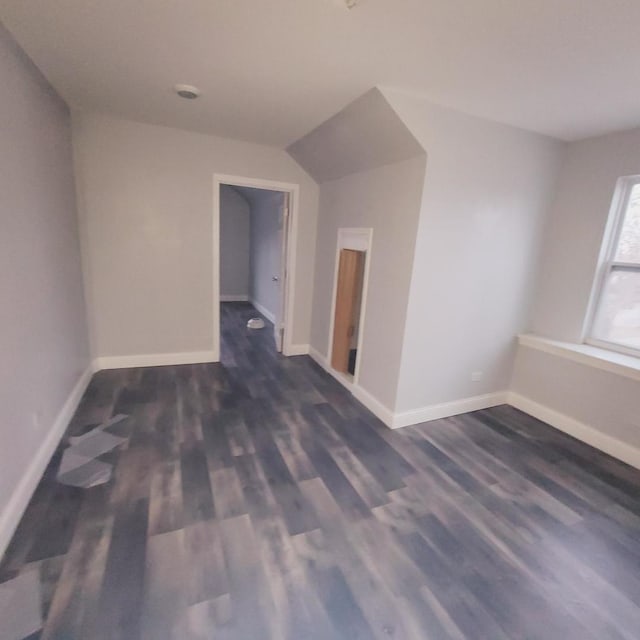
{"x":207,"y":575}
{"x":316,"y":435}
{"x":256,"y":498}
{"x":165,"y":503}
{"x":227,"y":493}
{"x":55,"y":532}
{"x":297,"y":607}
{"x":371,"y":455}
{"x":122,"y":592}
{"x":76,"y":590}
{"x":216,"y":443}
{"x":165,"y":600}
{"x":240,"y":442}
{"x":197,"y":497}
{"x":387,"y":615}
{"x":297,"y":515}
{"x":337,"y":599}
{"x":468,"y":614}
{"x":248,"y":586}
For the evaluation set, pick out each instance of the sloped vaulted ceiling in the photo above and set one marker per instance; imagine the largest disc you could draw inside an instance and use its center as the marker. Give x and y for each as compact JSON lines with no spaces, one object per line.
{"x":364,"y":135}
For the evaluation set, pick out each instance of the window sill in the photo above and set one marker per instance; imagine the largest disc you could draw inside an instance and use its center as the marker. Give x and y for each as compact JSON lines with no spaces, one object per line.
{"x":611,"y":361}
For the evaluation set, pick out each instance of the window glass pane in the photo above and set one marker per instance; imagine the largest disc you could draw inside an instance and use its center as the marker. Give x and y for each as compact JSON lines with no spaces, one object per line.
{"x":629,"y":242}
{"x":618,"y":318}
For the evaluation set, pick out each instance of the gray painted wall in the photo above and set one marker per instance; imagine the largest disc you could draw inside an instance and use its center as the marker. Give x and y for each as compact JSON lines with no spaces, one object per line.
{"x":371,"y":170}
{"x":605,"y":401}
{"x":388,"y":200}
{"x":487,"y":191}
{"x":43,"y":334}
{"x":576,"y":228}
{"x":266,"y":248}
{"x":147,"y":206}
{"x":234,"y":243}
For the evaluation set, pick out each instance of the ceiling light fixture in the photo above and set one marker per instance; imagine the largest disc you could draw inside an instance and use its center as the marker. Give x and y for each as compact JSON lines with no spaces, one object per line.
{"x":187,"y":91}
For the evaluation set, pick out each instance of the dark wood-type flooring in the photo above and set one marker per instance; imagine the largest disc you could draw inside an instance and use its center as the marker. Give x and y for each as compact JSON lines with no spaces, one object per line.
{"x":255,"y":498}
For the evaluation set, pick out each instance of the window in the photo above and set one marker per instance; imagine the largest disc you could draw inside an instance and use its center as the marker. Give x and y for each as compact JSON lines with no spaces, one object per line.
{"x":616,"y":319}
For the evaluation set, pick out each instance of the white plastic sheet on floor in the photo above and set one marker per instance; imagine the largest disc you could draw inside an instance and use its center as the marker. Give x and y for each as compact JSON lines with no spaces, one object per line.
{"x":105,"y":425}
{"x":79,"y":467}
{"x":20,"y":606}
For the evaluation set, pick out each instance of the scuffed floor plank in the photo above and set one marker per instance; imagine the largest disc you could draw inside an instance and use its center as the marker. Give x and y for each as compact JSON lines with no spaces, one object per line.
{"x":256,"y":498}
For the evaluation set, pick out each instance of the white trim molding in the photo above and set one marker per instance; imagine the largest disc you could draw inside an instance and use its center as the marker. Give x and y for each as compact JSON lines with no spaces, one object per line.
{"x":292,"y":246}
{"x":416,"y":416}
{"x":611,"y":361}
{"x":448,"y":409}
{"x":296,"y":350}
{"x":264,"y":311}
{"x":153,"y":360}
{"x":373,"y":404}
{"x":233,"y":297}
{"x":19,"y":500}
{"x":358,"y":239}
{"x":579,"y":430}
{"x":607,"y":262}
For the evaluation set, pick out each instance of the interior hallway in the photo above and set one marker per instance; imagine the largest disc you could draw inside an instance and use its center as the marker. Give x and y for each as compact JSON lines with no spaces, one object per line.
{"x":256,"y":498}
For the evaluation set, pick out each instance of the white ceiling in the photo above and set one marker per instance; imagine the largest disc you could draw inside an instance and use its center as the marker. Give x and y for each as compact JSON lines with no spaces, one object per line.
{"x":272,"y":70}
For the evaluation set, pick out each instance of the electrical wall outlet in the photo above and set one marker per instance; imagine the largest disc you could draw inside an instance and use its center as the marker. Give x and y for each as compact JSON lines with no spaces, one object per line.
{"x":476,"y":376}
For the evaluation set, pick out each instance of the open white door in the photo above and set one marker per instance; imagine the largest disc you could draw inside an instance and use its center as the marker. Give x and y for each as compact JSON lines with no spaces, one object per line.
{"x":281,"y":280}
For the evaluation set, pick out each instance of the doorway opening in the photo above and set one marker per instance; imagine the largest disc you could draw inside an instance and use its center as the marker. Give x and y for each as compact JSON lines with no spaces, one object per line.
{"x":349,"y":301}
{"x":254,"y":224}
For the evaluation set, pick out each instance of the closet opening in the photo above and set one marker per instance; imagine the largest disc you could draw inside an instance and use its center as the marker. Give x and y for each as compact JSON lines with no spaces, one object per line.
{"x":349,"y":301}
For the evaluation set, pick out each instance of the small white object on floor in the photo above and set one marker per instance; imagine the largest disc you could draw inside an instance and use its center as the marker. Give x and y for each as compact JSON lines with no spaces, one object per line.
{"x":255,"y":323}
{"x":71,"y":460}
{"x":79,"y":467}
{"x":98,"y":443}
{"x":105,"y":425}
{"x":90,"y":474}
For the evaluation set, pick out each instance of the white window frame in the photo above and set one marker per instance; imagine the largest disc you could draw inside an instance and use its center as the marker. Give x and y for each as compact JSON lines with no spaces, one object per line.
{"x":607,"y":263}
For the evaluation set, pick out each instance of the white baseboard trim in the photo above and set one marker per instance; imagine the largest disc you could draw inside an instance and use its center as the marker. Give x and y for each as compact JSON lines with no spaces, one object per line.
{"x":323,"y":362}
{"x":264,"y":311}
{"x":234,"y":298}
{"x":296,"y":350}
{"x":579,"y":430}
{"x":448,"y":409}
{"x":373,"y":404}
{"x":18,"y":502}
{"x":153,"y":360}
{"x":417,"y":416}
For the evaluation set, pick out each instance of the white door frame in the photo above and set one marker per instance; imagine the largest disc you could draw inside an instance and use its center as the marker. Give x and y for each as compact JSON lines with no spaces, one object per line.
{"x":278,"y":325}
{"x":359,"y":239}
{"x":288,"y":290}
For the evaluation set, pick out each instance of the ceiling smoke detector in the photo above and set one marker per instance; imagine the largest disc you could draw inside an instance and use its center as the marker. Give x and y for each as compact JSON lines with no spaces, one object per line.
{"x":187,"y":91}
